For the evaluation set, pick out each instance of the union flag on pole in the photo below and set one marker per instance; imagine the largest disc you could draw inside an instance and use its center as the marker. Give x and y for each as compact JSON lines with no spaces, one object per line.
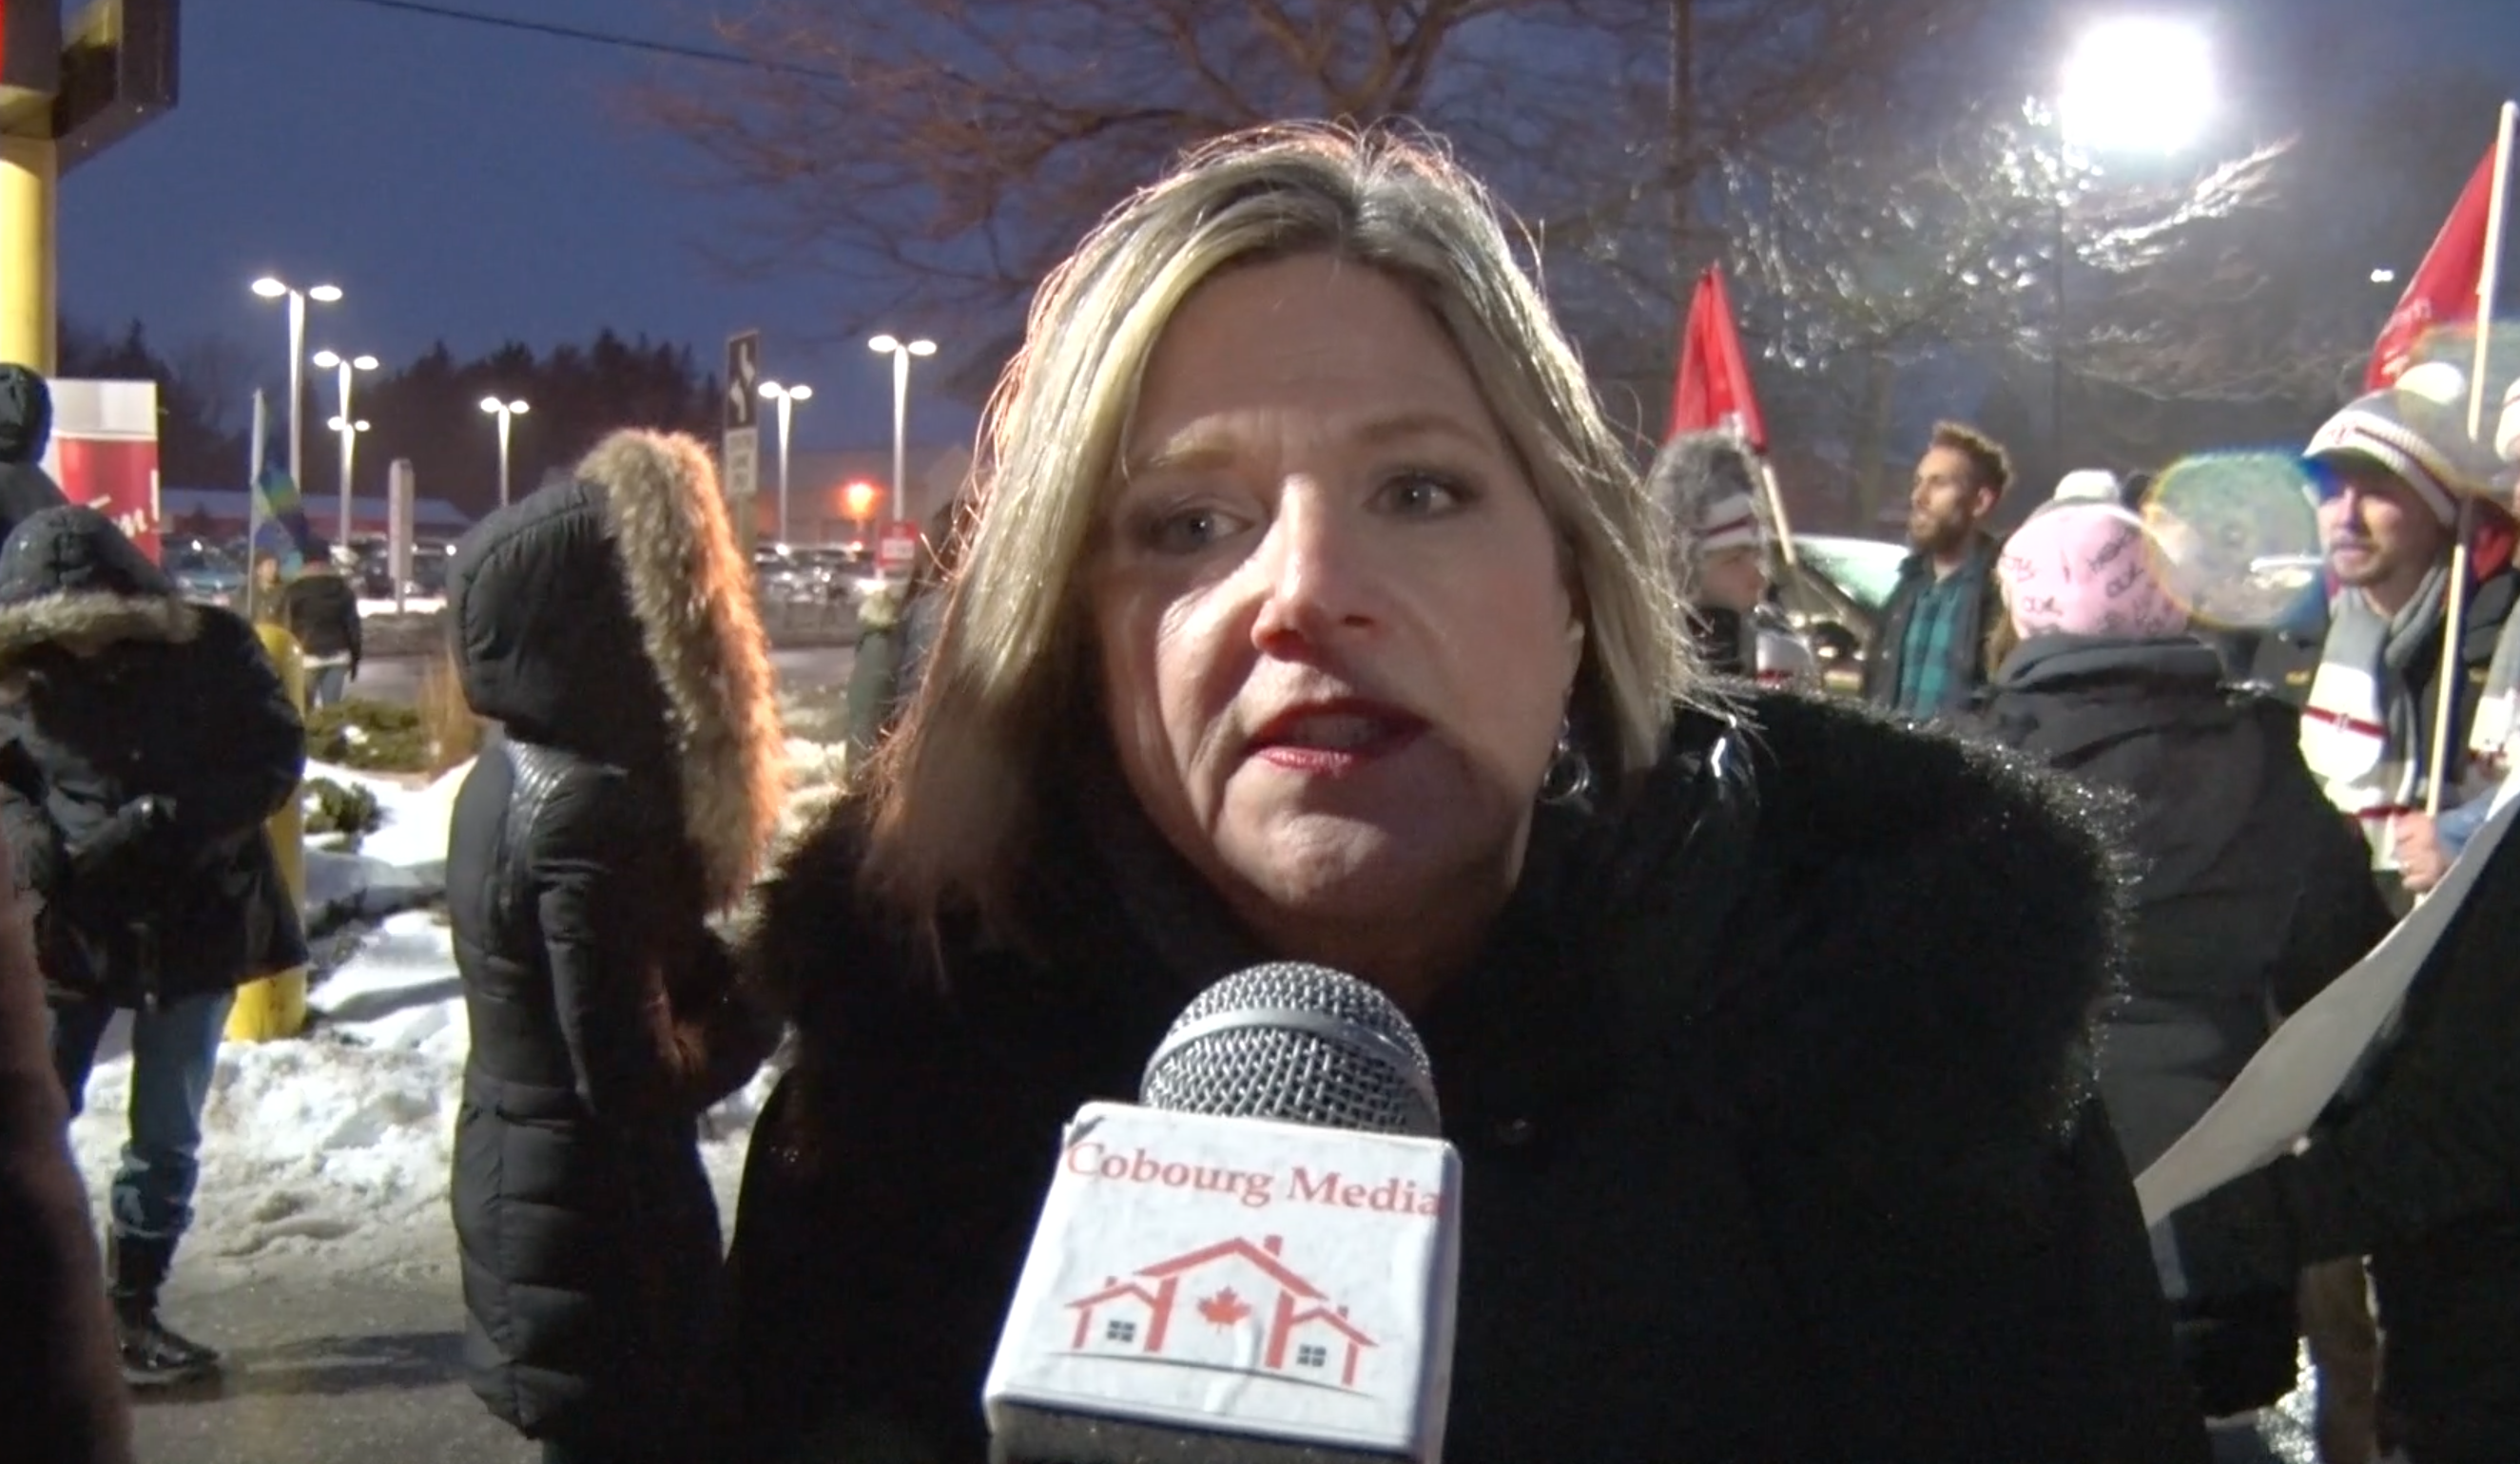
{"x":1713,"y":388}
{"x":2444,"y":288}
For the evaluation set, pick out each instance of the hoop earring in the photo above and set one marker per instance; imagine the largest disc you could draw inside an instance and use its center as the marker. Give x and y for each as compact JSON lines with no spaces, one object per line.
{"x":1570,"y":773}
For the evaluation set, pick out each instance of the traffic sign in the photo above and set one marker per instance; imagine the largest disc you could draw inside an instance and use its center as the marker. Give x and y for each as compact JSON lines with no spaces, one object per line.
{"x":743,"y":408}
{"x":741,"y":471}
{"x":897,"y":551}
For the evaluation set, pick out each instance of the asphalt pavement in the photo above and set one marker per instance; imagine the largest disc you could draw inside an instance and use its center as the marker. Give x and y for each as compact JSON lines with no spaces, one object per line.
{"x":335,"y":1370}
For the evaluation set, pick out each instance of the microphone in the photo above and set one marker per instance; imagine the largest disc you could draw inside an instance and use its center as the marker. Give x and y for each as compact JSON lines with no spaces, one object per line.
{"x":1259,"y":1265}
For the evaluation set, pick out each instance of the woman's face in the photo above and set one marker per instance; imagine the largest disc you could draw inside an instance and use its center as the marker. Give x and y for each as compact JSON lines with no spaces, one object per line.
{"x":1335,"y":634}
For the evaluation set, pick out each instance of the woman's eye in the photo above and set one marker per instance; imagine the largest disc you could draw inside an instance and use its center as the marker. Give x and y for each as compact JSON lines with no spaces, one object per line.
{"x":1188,"y":530}
{"x":1424,"y":493}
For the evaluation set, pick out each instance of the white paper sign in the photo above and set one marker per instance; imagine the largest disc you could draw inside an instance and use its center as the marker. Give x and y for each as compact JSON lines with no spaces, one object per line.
{"x":1256,"y":1279}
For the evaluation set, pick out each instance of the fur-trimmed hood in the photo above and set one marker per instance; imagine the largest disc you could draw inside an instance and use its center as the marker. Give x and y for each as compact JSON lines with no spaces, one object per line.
{"x":71,"y":581}
{"x":611,"y":613}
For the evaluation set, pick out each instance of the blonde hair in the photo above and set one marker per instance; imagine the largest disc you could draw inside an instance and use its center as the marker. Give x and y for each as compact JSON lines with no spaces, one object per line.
{"x":1008,"y":694}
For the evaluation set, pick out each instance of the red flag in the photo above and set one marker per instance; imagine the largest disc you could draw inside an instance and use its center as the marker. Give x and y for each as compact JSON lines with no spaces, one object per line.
{"x":1713,"y":389}
{"x":2444,"y":289}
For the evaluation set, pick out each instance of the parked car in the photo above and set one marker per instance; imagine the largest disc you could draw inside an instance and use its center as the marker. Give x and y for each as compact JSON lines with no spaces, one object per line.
{"x":1835,"y":595}
{"x":205,"y":572}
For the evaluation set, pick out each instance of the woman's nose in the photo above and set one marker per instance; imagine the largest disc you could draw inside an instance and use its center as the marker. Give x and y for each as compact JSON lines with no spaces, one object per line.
{"x":1315,"y":581}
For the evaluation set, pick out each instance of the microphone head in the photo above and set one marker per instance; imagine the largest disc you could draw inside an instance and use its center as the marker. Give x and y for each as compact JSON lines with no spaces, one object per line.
{"x":1298,"y":1043}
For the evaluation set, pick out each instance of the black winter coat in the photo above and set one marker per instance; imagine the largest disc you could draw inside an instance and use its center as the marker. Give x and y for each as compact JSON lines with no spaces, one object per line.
{"x":2249,"y":896}
{"x":1774,"y":1142}
{"x":143,"y":744}
{"x":606,"y":623}
{"x":2418,"y":1168}
{"x":322,"y":611}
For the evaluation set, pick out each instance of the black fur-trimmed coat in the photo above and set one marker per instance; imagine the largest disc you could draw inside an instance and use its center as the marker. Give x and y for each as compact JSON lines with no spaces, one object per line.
{"x":1776,"y":1126}
{"x":606,"y":623}
{"x":113,"y":690}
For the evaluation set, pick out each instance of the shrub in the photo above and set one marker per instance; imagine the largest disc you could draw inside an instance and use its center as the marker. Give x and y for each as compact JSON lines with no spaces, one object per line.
{"x":349,"y":810}
{"x":372,"y":737}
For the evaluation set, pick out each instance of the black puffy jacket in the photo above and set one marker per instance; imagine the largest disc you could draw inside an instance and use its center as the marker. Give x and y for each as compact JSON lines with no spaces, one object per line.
{"x":606,"y":624}
{"x":144,"y":740}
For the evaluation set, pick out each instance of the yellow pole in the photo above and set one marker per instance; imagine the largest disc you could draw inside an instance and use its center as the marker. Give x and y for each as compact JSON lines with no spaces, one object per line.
{"x":274,"y":1006}
{"x":30,"y":189}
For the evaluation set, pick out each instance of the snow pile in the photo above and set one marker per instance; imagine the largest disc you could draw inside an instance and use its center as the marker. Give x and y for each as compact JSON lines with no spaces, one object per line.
{"x":334,"y":1151}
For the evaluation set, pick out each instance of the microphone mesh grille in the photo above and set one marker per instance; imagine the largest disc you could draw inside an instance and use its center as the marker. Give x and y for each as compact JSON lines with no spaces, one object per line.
{"x":1299,"y":1044}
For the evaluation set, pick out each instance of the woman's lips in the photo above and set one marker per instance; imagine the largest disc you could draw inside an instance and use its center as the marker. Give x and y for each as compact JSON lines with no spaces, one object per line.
{"x":1329,"y":740}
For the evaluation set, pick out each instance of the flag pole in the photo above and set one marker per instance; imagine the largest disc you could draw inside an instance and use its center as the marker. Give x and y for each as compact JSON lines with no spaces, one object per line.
{"x":253,"y":494}
{"x":2454,"y":607}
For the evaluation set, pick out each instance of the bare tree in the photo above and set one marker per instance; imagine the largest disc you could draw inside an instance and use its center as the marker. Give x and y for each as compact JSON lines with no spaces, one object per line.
{"x":949,"y":151}
{"x":219,"y":373}
{"x":1890,"y":251}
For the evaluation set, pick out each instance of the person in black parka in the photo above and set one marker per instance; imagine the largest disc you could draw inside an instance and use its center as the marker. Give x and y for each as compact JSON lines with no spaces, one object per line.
{"x":320,"y":610}
{"x":606,"y":623}
{"x":25,"y":427}
{"x":2250,"y":894}
{"x":143,"y":742}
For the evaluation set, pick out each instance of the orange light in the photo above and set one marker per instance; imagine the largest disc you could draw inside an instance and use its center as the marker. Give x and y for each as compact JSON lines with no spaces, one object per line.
{"x":861,"y":498}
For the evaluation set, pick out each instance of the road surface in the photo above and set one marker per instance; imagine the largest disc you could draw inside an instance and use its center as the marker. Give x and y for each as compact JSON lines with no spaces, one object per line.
{"x":347,"y":1370}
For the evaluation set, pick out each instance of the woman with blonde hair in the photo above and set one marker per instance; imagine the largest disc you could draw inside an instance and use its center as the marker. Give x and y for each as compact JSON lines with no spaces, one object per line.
{"x":1312,"y":611}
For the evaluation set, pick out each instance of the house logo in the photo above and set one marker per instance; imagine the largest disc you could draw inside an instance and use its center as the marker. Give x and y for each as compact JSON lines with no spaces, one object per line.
{"x":1233,"y":1307}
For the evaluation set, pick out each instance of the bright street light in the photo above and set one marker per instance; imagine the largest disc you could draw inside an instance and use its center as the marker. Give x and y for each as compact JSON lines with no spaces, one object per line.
{"x":2138,"y":84}
{"x":506,"y":412}
{"x":786,"y":397}
{"x":341,"y":367}
{"x":343,"y":425}
{"x":888,"y":345}
{"x":2384,"y":276}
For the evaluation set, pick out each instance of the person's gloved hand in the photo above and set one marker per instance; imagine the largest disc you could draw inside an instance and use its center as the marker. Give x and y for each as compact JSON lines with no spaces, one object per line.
{"x":125,"y":846}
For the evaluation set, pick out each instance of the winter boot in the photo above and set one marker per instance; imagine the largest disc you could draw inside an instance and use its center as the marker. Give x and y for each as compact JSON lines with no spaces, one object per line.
{"x":152,"y":1356}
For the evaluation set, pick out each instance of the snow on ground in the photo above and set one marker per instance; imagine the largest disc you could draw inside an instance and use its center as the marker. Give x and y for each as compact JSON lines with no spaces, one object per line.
{"x":331,"y":1152}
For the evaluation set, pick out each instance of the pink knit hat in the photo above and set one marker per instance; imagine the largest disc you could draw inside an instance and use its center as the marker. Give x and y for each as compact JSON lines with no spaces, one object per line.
{"x":2085,"y":570}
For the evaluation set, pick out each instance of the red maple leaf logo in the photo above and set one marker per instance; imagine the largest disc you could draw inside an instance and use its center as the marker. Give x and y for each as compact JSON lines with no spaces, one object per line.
{"x":1223,"y":1309}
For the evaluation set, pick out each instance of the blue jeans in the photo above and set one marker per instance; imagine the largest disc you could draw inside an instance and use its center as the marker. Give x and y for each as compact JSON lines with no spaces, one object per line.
{"x":173,"y":1050}
{"x":326,"y":686}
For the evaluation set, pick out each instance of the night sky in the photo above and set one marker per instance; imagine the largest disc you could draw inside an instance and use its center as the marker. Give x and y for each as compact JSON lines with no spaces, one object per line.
{"x":475,"y":184}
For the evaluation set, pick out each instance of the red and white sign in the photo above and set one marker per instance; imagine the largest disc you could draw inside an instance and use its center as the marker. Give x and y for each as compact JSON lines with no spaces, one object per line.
{"x":103,"y":452}
{"x":1257,"y":1279}
{"x":896,"y":549}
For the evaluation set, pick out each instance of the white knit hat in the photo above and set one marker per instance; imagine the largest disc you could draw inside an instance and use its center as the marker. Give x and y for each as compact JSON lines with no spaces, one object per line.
{"x":2506,"y":434}
{"x":2088,"y":485}
{"x":2390,"y":429}
{"x":1704,"y":481}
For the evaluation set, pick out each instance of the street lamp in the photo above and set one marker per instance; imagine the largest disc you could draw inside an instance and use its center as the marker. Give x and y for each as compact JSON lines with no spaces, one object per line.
{"x":343,"y":423}
{"x":859,"y":499}
{"x":900,"y":352}
{"x":506,"y":412}
{"x":2136,"y":84}
{"x":786,"y":397}
{"x":271,"y":288}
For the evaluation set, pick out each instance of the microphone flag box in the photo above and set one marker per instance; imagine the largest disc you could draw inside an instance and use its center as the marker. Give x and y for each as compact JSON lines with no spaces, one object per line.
{"x":1242,"y":1277}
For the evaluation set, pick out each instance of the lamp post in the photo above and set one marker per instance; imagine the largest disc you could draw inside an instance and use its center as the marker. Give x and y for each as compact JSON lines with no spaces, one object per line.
{"x":860,"y":498}
{"x":506,"y":412}
{"x":350,"y":431}
{"x":2136,"y":84}
{"x":343,"y":423}
{"x":786,"y":397}
{"x":271,"y":288}
{"x":901,"y":351}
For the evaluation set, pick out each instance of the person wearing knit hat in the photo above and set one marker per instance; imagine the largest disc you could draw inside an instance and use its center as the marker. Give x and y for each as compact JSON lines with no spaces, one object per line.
{"x":2232,"y":840}
{"x":1707,"y":485}
{"x":2086,"y":569}
{"x":2394,"y":465}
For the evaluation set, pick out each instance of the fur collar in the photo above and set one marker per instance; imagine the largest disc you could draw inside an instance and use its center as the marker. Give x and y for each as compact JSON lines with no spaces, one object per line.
{"x":84,"y":622}
{"x":690,"y":591}
{"x":1897,"y":931}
